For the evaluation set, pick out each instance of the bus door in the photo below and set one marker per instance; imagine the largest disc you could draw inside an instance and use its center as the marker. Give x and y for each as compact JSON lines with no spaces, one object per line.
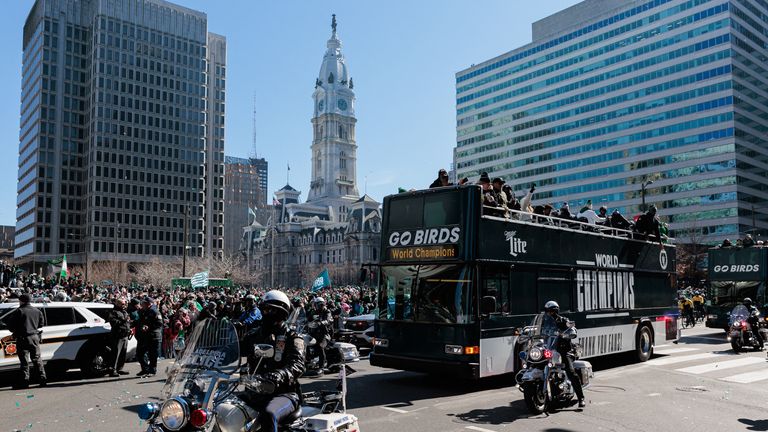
{"x":514,"y":294}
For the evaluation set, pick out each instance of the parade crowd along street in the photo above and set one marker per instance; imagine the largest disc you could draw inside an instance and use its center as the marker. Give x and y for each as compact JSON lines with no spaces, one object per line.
{"x":178,"y":307}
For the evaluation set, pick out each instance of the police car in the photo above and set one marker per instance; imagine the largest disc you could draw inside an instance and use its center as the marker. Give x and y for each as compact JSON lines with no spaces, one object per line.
{"x":75,"y":336}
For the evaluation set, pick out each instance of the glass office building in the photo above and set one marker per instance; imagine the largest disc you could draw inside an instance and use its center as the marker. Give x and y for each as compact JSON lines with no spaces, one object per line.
{"x":613,"y":94}
{"x":122,"y":133}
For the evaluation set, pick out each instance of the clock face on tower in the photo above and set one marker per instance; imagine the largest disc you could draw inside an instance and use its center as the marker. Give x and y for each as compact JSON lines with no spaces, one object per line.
{"x":342,"y":104}
{"x":321,"y":106}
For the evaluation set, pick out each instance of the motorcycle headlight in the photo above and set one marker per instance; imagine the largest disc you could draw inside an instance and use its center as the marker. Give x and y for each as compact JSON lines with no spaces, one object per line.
{"x":174,"y":414}
{"x":535,"y":354}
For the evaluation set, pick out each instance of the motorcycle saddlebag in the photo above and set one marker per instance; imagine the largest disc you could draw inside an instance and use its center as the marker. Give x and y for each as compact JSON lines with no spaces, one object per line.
{"x":584,"y":371}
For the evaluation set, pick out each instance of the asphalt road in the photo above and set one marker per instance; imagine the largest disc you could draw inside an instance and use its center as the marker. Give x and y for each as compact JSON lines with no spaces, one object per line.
{"x":696,"y":385}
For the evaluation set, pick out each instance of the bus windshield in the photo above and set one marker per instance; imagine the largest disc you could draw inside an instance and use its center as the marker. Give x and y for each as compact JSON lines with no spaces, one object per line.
{"x":427,"y":293}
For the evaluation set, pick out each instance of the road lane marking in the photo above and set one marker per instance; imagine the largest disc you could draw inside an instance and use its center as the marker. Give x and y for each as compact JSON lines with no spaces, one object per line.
{"x":397,"y":410}
{"x":748,"y":377}
{"x":716,"y":366}
{"x":680,"y":359}
{"x":654,"y":394}
{"x":478,"y":429}
{"x":669,"y":351}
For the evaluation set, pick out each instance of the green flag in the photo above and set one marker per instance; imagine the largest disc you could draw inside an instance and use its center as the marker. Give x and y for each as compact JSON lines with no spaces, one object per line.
{"x":322,"y":281}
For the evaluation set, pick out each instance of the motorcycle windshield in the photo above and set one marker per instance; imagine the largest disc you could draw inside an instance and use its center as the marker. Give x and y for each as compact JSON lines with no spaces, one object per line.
{"x":212,"y":353}
{"x":544,"y":330}
{"x":739,"y":313}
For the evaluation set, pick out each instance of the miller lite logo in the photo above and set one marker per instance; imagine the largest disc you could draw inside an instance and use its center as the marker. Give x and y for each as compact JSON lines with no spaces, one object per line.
{"x":516,"y":245}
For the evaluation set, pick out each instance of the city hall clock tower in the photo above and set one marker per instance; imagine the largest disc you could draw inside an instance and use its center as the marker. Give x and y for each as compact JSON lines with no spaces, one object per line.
{"x":334,"y":151}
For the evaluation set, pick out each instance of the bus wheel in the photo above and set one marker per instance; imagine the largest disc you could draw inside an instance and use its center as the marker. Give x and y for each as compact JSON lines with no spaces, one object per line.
{"x":644,"y":344}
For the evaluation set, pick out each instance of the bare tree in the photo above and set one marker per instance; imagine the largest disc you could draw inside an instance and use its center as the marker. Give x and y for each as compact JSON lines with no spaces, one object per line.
{"x":106,"y":270}
{"x":157,"y":273}
{"x":691,"y":253}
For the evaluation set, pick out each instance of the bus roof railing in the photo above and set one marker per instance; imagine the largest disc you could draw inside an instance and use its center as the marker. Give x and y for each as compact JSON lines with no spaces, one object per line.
{"x":571,"y":224}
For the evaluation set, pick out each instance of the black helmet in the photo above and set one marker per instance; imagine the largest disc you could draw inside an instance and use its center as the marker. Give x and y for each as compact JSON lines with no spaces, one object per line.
{"x":277,"y":301}
{"x":747,"y":301}
{"x":552,"y":306}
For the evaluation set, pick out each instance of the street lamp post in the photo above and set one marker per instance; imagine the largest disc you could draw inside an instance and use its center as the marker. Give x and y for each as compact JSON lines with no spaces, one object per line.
{"x":186,"y":240}
{"x":643,"y":185}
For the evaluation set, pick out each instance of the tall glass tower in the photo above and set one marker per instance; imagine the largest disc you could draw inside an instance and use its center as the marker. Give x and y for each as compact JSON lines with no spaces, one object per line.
{"x":620,"y":102}
{"x":122,"y":133}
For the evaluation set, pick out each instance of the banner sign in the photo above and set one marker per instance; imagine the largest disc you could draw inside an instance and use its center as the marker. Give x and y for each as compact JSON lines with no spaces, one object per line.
{"x":439,"y":243}
{"x":735,"y":264}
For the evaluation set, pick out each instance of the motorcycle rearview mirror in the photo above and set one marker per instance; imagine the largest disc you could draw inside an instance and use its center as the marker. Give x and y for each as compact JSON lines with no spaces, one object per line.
{"x":488,"y":305}
{"x":263,"y":351}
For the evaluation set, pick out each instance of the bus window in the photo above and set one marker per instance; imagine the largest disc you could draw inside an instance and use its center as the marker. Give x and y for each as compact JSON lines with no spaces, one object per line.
{"x":405,"y":213}
{"x":524,"y":299}
{"x":555,"y":285}
{"x":427,"y":293}
{"x":496,"y":285}
{"x":441,"y":210}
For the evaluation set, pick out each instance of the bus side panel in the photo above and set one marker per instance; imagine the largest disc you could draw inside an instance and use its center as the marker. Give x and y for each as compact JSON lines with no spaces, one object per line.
{"x":497,"y":355}
{"x":599,"y":341}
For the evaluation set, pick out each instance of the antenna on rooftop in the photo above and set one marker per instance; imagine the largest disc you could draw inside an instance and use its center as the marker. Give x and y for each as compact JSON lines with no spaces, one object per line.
{"x":255,"y":153}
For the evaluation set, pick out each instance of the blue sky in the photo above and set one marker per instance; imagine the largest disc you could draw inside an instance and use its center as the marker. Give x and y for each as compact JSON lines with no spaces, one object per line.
{"x":403,"y":56}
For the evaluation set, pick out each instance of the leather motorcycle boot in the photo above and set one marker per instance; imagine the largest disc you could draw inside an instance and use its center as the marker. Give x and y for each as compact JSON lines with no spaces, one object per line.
{"x":582,"y":403}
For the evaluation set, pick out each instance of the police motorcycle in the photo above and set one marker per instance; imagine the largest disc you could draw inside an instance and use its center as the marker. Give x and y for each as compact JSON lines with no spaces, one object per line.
{"x":336,"y":353}
{"x":543,"y":380}
{"x":201,"y":391}
{"x":740,"y":332}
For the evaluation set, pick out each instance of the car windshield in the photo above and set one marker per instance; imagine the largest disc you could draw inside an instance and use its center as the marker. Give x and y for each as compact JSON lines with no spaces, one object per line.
{"x":427,"y":293}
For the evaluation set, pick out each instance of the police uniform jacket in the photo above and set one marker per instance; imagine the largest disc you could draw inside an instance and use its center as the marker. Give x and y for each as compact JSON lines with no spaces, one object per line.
{"x":325,"y":318}
{"x":287,"y":365}
{"x":153,"y":320}
{"x":120,"y":322}
{"x":25,"y":321}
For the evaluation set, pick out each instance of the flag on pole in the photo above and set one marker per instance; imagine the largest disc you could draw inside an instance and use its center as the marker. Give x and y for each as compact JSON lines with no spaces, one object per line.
{"x":251,"y":212}
{"x":275,"y":202}
{"x":199,"y":280}
{"x":64,"y":270}
{"x":322,"y":281}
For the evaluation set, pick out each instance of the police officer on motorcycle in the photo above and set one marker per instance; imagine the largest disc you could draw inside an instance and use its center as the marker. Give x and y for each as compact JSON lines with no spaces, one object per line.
{"x":282,"y":370}
{"x":754,"y":320}
{"x":322,"y":332}
{"x":553,"y":319}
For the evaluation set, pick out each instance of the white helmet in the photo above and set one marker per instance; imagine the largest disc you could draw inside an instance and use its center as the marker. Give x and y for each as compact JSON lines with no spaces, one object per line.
{"x":279,"y":301}
{"x":552,"y":305}
{"x":318,"y":301}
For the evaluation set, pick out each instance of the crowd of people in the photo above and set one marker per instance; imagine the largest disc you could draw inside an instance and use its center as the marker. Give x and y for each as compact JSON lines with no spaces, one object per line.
{"x":499,"y":200}
{"x":159,"y":317}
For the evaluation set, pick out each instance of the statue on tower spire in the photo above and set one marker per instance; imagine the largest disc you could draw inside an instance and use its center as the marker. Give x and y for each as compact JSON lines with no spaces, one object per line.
{"x":333,"y":23}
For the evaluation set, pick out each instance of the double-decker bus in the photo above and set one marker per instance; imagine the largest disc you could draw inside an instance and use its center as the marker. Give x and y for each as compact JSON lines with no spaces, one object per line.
{"x":456,"y":287}
{"x":735,"y":273}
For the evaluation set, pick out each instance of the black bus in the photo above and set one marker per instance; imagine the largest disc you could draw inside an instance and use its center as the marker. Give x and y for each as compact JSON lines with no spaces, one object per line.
{"x":734,"y":273}
{"x":457,"y":286}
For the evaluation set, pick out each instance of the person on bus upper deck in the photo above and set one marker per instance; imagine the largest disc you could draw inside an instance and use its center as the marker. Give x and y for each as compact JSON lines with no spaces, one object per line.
{"x":441,"y":180}
{"x":587,"y":213}
{"x":512,"y":202}
{"x":565,"y":212}
{"x":603,"y":212}
{"x":501,"y":197}
{"x":489,"y":203}
{"x":748,"y":241}
{"x":525,"y":203}
{"x":726,"y":243}
{"x":649,"y":224}
{"x":564,"y":346}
